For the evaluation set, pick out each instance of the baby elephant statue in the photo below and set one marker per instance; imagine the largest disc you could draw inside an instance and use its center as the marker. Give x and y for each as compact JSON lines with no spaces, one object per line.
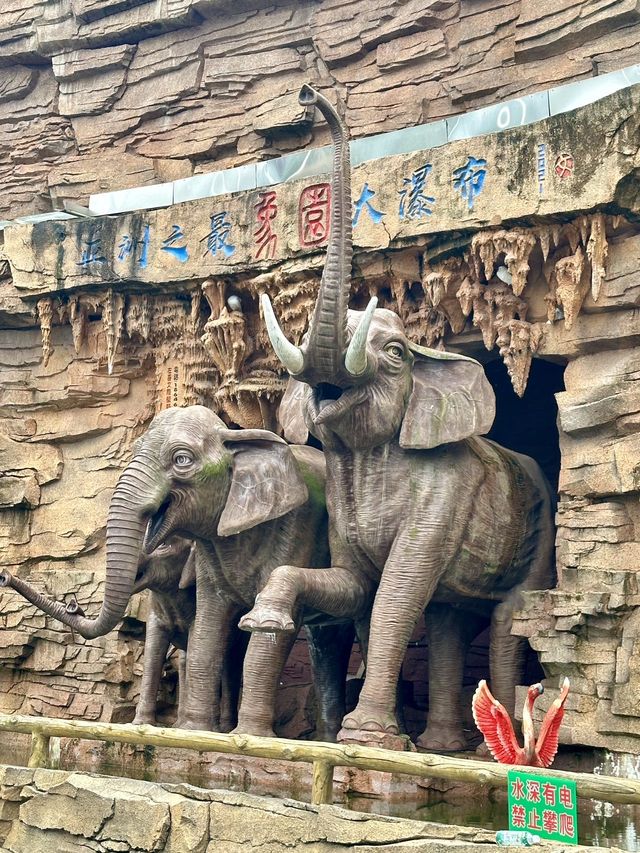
{"x":168,"y":573}
{"x":420,"y":506}
{"x":253,"y":503}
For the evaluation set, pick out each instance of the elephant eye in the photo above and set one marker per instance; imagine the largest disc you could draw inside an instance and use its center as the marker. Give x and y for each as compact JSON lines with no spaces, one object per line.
{"x":396,"y":350}
{"x":182,"y":459}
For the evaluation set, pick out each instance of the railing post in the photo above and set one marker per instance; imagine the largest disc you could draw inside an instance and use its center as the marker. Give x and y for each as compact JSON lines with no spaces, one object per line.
{"x":322,"y":785}
{"x":39,"y":755}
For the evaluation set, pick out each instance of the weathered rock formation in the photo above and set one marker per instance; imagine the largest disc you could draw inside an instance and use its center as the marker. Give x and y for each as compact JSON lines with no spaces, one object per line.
{"x":105,"y":321}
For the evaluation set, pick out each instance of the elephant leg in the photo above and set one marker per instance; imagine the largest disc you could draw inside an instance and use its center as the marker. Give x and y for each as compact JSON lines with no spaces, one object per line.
{"x":156,"y":646}
{"x":408,"y":582}
{"x":231,"y":680}
{"x":263,"y":664}
{"x":506,"y":655}
{"x":329,"y":651}
{"x":335,"y":591}
{"x":182,"y":686}
{"x":449,"y":632}
{"x":208,"y":645}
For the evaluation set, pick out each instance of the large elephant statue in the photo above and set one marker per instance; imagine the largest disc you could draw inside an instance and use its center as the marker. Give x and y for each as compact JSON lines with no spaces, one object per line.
{"x":420,"y":507}
{"x":253,"y":503}
{"x":169,"y":573}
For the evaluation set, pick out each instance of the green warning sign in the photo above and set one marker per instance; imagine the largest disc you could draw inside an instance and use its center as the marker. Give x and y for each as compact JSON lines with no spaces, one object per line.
{"x":543,"y":805}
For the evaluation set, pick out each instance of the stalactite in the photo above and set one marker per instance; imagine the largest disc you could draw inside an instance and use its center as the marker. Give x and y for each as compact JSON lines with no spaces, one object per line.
{"x":519,"y":340}
{"x":515,"y":245}
{"x":196,"y":302}
{"x":61,"y":310}
{"x":138,"y":317}
{"x":440,"y":284}
{"x":113,"y":323}
{"x":45,"y":318}
{"x":78,"y":318}
{"x":597,"y":250}
{"x":571,"y":285}
{"x":572,"y":235}
{"x":543,"y":236}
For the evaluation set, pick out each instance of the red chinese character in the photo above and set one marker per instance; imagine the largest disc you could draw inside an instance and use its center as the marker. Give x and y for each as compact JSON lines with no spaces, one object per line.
{"x":565,"y":797}
{"x":564,"y":165}
{"x":517,"y":815}
{"x":517,"y":789}
{"x":549,"y":794}
{"x":534,"y":819}
{"x":313,"y":214}
{"x":566,"y":825}
{"x":533,"y":791}
{"x":266,"y":211}
{"x":549,"y":821}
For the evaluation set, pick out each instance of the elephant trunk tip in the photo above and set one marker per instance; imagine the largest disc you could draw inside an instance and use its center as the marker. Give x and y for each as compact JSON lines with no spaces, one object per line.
{"x":308,"y":96}
{"x":5,"y":578}
{"x":73,"y":608}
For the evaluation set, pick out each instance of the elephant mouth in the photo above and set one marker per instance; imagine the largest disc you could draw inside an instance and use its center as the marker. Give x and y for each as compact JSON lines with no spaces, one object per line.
{"x":331,"y":401}
{"x":158,"y":527}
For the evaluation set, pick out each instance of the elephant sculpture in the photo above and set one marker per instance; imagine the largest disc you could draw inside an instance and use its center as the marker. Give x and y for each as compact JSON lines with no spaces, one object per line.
{"x":253,"y":503}
{"x":421,"y":509}
{"x":169,"y":573}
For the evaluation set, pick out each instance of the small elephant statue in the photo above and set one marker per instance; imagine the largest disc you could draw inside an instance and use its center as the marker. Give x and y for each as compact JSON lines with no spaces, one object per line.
{"x":169,"y":573}
{"x":253,"y":502}
{"x":421,"y":509}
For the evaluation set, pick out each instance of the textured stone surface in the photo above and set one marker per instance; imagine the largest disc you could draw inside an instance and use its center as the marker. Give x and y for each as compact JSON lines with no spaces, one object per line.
{"x":100,"y":95}
{"x":187,"y":80}
{"x":78,"y":812}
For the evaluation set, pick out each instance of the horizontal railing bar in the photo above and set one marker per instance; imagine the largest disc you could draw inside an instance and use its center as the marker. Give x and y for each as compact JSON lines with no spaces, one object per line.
{"x":608,"y":788}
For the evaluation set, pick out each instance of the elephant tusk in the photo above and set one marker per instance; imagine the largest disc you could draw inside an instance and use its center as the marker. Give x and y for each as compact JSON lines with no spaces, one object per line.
{"x":355,"y":360}
{"x":290,"y":355}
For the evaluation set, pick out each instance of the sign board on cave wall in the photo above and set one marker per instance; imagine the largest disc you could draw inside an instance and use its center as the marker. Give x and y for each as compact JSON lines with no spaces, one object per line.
{"x":573,"y":161}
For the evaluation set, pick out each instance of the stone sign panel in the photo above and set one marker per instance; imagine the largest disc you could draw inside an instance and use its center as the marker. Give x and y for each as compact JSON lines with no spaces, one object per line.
{"x":467,"y":184}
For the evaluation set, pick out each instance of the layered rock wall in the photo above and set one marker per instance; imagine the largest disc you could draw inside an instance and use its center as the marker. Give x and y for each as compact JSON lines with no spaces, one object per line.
{"x":102,"y":95}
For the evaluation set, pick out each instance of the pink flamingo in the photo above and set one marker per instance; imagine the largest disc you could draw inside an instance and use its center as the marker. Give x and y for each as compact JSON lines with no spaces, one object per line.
{"x":494,"y":723}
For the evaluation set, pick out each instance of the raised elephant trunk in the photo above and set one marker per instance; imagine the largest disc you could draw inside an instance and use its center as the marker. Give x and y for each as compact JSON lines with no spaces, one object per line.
{"x":126,"y":526}
{"x":322,"y":358}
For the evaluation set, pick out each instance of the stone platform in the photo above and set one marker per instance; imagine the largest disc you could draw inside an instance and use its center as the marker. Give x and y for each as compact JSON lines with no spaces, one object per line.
{"x":55,"y":810}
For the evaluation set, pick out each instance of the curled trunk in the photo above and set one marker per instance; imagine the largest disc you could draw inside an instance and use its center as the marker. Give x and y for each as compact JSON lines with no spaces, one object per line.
{"x":126,"y":526}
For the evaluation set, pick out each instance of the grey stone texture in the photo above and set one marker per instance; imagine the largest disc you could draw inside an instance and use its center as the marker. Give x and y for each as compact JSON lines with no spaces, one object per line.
{"x":78,"y":812}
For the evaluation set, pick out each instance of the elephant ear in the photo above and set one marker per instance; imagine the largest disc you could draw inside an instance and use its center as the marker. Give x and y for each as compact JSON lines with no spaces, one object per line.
{"x":265,"y":484}
{"x":451,"y":400}
{"x":291,"y":412}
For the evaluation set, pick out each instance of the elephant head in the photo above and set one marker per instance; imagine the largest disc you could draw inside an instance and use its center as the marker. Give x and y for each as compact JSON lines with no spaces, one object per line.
{"x":364,"y":382}
{"x":189,"y":474}
{"x":169,"y":567}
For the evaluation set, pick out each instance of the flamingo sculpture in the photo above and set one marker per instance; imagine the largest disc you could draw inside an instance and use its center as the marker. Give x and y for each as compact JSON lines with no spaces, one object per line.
{"x":494,"y":723}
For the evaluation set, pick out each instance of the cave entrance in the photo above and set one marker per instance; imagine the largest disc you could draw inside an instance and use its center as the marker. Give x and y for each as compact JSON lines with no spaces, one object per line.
{"x":528,"y":424}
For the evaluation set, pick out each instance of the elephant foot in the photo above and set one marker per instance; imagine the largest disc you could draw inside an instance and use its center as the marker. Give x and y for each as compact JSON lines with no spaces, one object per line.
{"x":439,"y":738}
{"x":267,"y":618}
{"x":368,"y":718}
{"x":144,"y":719}
{"x":193,"y":725}
{"x":257,"y":729}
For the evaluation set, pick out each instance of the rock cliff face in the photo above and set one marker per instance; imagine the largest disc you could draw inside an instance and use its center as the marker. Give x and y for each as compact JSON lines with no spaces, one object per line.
{"x":105,"y":95}
{"x":99,"y":95}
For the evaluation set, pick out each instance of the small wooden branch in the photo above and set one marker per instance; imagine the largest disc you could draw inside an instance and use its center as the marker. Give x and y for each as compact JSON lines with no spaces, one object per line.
{"x":322,"y":785}
{"x":608,"y":788}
